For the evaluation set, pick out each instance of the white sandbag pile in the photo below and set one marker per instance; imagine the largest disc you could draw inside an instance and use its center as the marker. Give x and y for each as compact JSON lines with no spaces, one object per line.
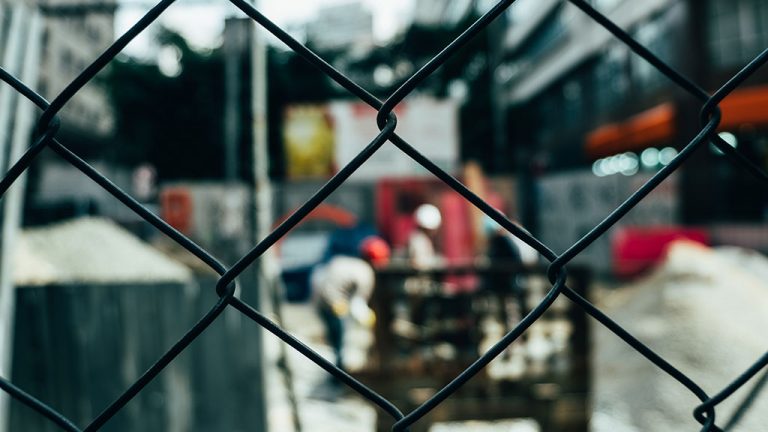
{"x":706,"y":312}
{"x":90,"y":250}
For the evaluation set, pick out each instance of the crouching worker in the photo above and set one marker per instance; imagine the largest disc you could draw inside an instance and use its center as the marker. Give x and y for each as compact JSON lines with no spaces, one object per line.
{"x":341,"y":288}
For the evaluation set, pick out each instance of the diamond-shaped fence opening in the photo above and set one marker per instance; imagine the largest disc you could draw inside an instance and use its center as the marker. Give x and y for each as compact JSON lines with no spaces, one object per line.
{"x":46,"y":137}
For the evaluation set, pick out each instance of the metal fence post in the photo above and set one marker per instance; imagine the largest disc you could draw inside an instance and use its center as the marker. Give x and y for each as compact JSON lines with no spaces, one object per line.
{"x":265,"y":273}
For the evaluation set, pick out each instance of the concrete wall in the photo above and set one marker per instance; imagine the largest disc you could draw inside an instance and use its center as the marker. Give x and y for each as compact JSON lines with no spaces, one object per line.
{"x":78,"y":347}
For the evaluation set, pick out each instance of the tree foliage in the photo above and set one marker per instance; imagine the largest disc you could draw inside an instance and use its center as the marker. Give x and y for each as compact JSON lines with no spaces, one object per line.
{"x":174,"y":123}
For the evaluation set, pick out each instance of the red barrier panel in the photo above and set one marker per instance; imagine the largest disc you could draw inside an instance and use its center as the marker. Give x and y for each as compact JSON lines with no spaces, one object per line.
{"x":636,"y":249}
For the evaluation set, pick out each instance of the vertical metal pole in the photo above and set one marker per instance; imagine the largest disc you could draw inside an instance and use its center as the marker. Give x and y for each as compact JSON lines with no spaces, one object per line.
{"x":496,"y":32}
{"x":235,"y":41}
{"x":270,"y":292}
{"x":262,"y":188}
{"x":13,"y":200}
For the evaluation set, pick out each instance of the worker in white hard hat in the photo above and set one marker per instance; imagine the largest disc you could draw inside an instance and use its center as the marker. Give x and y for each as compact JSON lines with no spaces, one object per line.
{"x":410,"y":311}
{"x":421,"y":247}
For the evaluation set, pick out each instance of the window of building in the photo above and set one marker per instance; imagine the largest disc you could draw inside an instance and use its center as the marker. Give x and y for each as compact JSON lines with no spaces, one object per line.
{"x":572,"y":103}
{"x":67,"y":61}
{"x":42,"y":88}
{"x":544,"y":38}
{"x":660,"y":36}
{"x":736,"y":30}
{"x":604,"y":5}
{"x":93,"y":32}
{"x":610,"y":79}
{"x":457,"y":10}
{"x":548,"y":111}
{"x":521,"y":11}
{"x":46,"y":37}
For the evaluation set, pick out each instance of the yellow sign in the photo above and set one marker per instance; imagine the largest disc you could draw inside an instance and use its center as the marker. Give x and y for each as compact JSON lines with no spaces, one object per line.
{"x":308,"y":138}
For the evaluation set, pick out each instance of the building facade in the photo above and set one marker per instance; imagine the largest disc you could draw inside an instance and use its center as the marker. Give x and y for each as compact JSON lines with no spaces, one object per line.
{"x":75,"y":33}
{"x":576,"y":97}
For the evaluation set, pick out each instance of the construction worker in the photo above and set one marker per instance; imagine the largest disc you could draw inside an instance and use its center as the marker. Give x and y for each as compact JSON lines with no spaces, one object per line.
{"x":411,"y":309}
{"x":421,"y":247}
{"x":341,"y":288}
{"x":505,"y":249}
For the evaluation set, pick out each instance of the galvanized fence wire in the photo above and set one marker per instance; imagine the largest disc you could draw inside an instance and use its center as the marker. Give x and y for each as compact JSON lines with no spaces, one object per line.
{"x":48,"y":126}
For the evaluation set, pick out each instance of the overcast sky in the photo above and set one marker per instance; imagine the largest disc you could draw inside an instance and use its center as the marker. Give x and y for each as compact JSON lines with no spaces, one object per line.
{"x":201,"y":22}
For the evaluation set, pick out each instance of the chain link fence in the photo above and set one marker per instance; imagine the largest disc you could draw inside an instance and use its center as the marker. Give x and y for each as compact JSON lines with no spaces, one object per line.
{"x":46,"y":136}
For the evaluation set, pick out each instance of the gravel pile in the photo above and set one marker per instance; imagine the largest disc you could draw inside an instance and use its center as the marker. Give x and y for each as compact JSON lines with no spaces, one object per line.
{"x":705,"y":311}
{"x":90,"y":250}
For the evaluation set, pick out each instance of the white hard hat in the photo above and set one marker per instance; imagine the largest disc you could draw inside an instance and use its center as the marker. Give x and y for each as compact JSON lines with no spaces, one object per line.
{"x":428,"y":216}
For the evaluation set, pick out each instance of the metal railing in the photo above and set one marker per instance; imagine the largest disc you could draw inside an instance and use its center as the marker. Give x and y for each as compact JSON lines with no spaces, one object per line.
{"x":48,"y":126}
{"x":415,"y":321}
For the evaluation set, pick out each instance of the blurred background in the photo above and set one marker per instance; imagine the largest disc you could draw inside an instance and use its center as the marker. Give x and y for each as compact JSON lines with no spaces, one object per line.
{"x":224,"y":132}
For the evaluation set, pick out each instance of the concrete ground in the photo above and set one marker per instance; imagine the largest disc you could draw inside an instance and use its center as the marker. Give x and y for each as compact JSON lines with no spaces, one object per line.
{"x":318,"y":410}
{"x":321,"y":408}
{"x":703,"y":310}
